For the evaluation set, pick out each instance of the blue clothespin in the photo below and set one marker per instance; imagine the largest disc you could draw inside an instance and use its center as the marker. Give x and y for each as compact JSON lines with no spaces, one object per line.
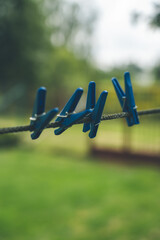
{"x":96,"y":109}
{"x":126,"y":99}
{"x":67,"y":116}
{"x":40,"y":119}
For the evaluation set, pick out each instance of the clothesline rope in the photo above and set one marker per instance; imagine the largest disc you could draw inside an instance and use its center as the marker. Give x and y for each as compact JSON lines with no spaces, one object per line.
{"x":25,"y":128}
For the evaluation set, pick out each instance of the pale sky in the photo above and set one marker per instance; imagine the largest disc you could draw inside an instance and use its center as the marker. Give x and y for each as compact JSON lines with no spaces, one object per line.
{"x":116,"y":40}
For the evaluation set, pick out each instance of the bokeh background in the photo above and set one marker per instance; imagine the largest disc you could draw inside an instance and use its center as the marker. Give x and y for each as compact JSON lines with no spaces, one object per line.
{"x":69,"y":186}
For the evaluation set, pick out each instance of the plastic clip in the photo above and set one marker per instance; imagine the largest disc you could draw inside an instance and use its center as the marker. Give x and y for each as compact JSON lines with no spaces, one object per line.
{"x":96,"y":109}
{"x":126,"y":99}
{"x":67,"y":116}
{"x":40,"y":119}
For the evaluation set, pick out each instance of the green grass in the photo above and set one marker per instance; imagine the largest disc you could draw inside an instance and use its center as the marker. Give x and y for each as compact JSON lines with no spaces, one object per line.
{"x":50,"y":189}
{"x":48,"y":195}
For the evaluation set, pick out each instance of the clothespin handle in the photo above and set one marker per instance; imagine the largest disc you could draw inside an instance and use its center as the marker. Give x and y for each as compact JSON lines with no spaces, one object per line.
{"x":126,"y":99}
{"x":97,"y":114}
{"x":40,"y":119}
{"x":71,"y":104}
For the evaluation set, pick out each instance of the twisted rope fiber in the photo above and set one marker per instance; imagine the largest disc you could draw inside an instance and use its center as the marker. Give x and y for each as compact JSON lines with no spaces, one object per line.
{"x":84,"y":120}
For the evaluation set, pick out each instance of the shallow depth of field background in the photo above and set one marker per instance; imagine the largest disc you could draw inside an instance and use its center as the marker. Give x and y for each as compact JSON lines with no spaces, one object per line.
{"x":54,"y":188}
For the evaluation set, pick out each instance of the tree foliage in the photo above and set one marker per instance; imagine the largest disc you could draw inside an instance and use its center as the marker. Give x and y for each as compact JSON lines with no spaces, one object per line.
{"x":155,"y":18}
{"x":44,"y":42}
{"x":154,"y":22}
{"x":23,"y":42}
{"x":156,"y":72}
{"x":71,"y":25}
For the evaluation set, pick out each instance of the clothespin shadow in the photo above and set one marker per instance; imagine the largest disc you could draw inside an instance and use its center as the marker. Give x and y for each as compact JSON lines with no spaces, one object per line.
{"x":67,"y":116}
{"x":126,"y":99}
{"x":96,"y":109}
{"x":40,"y":119}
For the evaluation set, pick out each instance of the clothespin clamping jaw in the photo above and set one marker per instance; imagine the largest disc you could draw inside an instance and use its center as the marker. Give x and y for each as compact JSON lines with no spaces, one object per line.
{"x":40,"y":119}
{"x":67,"y":116}
{"x":126,"y":99}
{"x":96,"y":109}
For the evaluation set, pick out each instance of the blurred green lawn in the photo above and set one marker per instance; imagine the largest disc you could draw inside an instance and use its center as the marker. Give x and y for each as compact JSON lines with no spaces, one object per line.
{"x":50,"y":189}
{"x":53,"y":196}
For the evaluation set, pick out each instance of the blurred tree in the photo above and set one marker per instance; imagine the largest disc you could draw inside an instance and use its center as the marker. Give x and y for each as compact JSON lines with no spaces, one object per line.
{"x":155,"y":17}
{"x":69,"y":64}
{"x":23,"y":43}
{"x":118,"y":71}
{"x":44,"y":42}
{"x":153,"y":21}
{"x":156,"y":72}
{"x":66,"y":72}
{"x":71,"y":25}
